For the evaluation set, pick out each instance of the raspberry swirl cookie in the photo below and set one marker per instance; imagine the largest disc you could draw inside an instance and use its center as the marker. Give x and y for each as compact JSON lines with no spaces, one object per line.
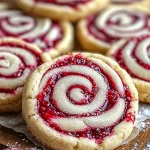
{"x":51,"y":36}
{"x":17,"y":60}
{"x":80,"y":101}
{"x":71,"y":10}
{"x":133,"y":56}
{"x":100,"y":31}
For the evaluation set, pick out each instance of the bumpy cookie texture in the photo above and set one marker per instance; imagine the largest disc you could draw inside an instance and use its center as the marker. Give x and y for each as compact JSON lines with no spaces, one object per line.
{"x":100,"y":31}
{"x":53,"y":37}
{"x":17,"y":60}
{"x":71,"y":10}
{"x":80,"y":101}
{"x":133,"y":56}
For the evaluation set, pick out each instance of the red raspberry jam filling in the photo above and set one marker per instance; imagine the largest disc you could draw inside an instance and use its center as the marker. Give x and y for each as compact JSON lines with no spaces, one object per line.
{"x":134,"y":54}
{"x":19,"y":71}
{"x":30,"y":29}
{"x":49,"y":44}
{"x":72,"y":3}
{"x":49,"y":109}
{"x":115,"y":27}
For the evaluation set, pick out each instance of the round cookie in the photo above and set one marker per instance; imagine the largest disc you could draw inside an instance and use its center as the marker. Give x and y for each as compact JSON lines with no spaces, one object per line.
{"x":74,"y":103}
{"x":71,"y":10}
{"x":99,"y":32}
{"x":50,"y":36}
{"x":17,"y":60}
{"x":133,"y":56}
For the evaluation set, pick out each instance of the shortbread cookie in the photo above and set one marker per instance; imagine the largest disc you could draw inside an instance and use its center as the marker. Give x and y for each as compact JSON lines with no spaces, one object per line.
{"x":99,"y":32}
{"x":133,"y":56}
{"x":17,"y":60}
{"x":71,"y":10}
{"x":80,"y":101}
{"x":51,"y":36}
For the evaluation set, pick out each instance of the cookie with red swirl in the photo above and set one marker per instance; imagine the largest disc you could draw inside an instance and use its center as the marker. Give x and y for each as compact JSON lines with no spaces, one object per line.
{"x":71,"y":10}
{"x":50,"y":36}
{"x":99,"y":32}
{"x":17,"y":60}
{"x":80,"y":100}
{"x":133,"y":56}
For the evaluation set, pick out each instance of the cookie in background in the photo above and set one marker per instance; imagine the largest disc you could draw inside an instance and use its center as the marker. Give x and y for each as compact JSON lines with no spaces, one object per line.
{"x":17,"y":61}
{"x":71,"y":10}
{"x":99,"y":32}
{"x":50,"y":36}
{"x":133,"y":55}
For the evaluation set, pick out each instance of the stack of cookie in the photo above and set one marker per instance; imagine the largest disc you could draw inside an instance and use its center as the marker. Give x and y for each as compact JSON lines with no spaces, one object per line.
{"x":78,"y":101}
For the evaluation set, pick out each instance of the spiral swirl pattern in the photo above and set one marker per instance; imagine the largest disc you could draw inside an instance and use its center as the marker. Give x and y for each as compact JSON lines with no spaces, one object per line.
{"x":116,"y":23}
{"x":16,"y":63}
{"x":77,"y":96}
{"x":42,"y":32}
{"x":133,"y":55}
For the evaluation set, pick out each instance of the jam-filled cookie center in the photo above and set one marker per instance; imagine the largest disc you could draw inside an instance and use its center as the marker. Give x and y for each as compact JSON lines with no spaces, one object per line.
{"x":78,"y":97}
{"x":17,"y":61}
{"x":43,"y":32}
{"x":114,"y":24}
{"x":134,"y":56}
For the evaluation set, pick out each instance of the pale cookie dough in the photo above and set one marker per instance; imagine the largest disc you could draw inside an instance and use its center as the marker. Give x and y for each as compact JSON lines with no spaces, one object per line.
{"x":71,"y":10}
{"x":17,"y":60}
{"x":52,"y":37}
{"x":98,"y":32}
{"x":133,"y":56}
{"x":80,"y":101}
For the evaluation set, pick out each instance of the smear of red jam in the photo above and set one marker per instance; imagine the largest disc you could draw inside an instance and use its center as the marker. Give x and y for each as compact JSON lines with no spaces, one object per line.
{"x":23,"y":65}
{"x":49,"y":109}
{"x":73,"y":3}
{"x":119,"y":57}
{"x":103,"y":33}
{"x":130,"y":117}
{"x":40,"y":39}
